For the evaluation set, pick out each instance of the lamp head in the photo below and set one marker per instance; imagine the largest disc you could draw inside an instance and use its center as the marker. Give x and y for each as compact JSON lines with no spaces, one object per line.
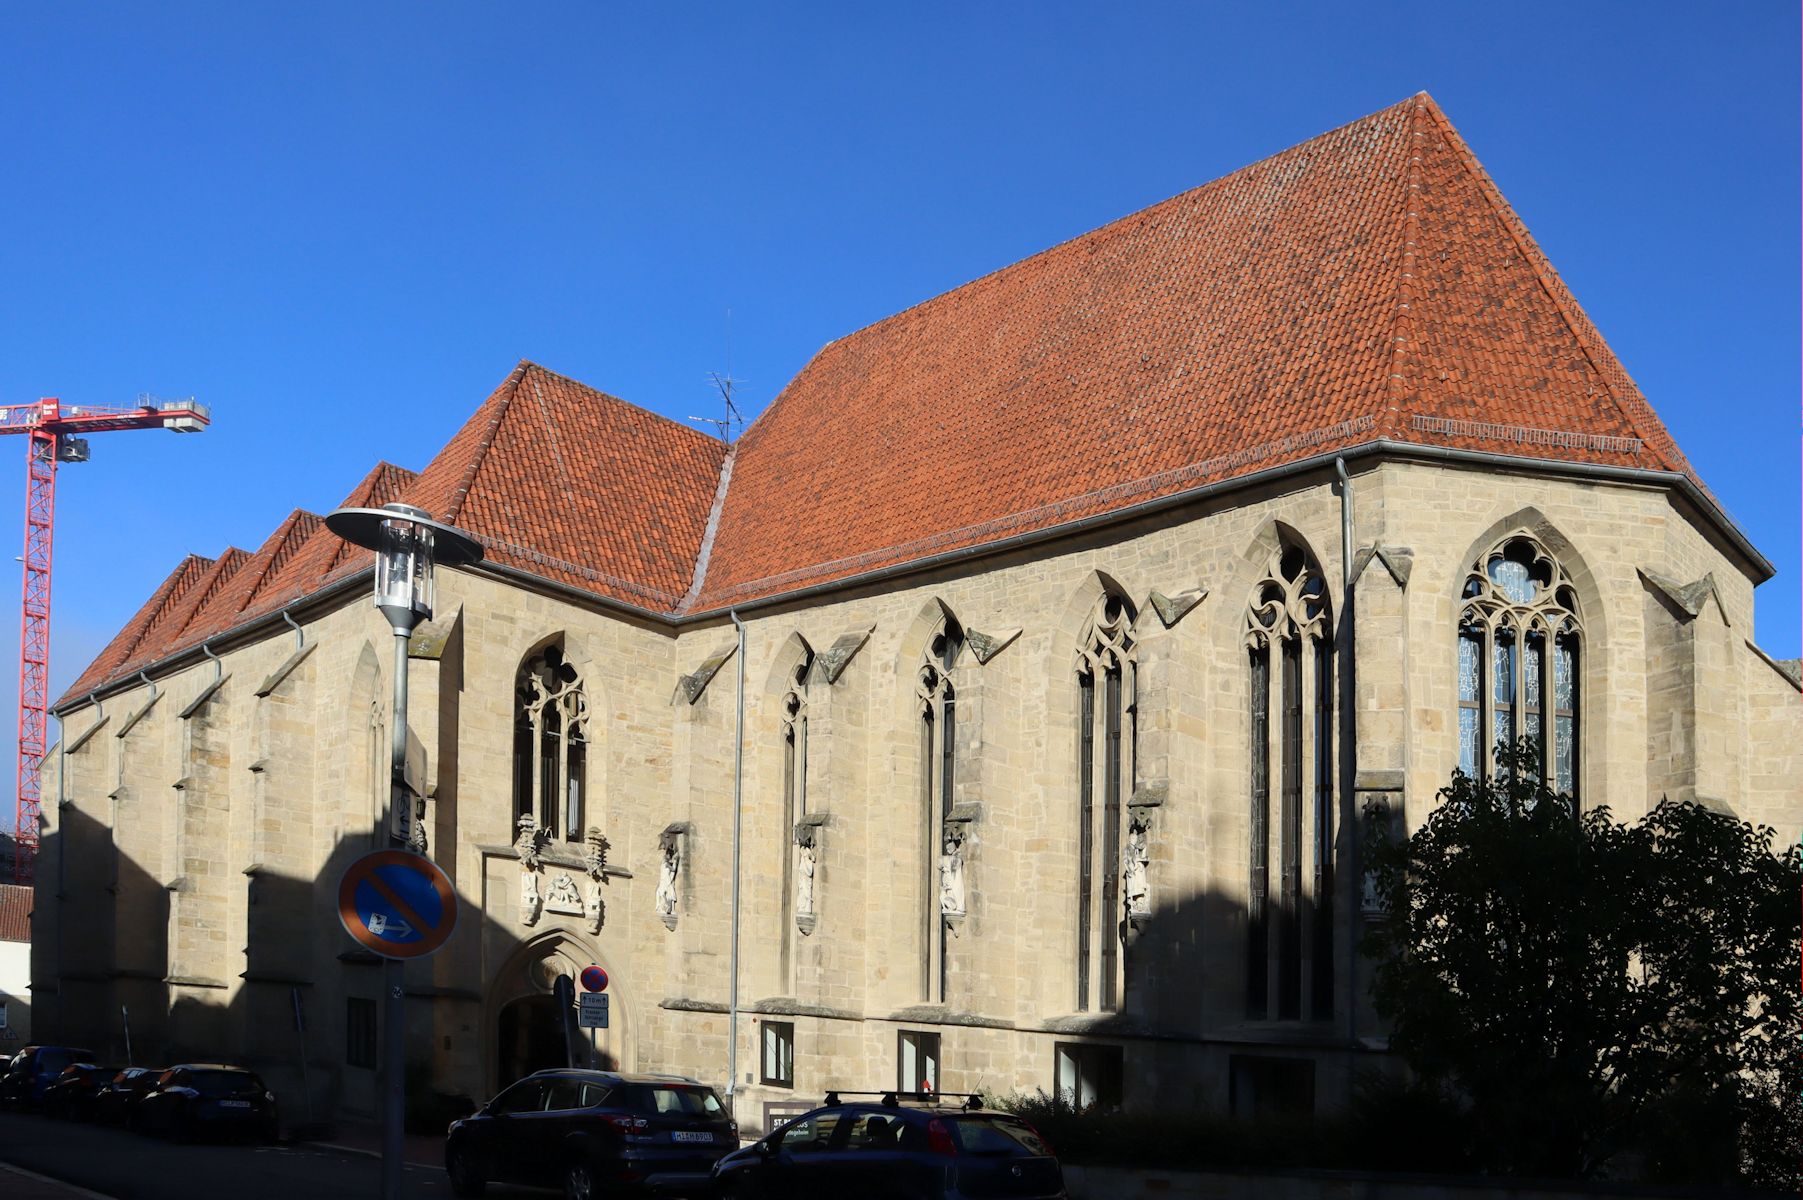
{"x":407,"y":542}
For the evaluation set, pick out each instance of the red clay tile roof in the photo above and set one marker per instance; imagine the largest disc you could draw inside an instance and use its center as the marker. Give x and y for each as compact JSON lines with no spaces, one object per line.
{"x":199,"y":600}
{"x":568,"y":483}
{"x":110,"y":663}
{"x":1368,"y":284}
{"x":15,"y":913}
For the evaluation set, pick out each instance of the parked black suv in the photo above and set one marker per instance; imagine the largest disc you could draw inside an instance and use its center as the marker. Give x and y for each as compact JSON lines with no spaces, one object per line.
{"x":924,"y":1150}
{"x":594,"y":1133}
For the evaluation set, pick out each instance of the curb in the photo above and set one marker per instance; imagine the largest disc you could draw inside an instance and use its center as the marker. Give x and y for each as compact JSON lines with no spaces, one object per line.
{"x":340,"y":1148}
{"x":72,"y":1189}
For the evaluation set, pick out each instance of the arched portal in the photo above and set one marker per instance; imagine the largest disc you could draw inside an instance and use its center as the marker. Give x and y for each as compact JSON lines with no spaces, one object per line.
{"x":526,"y":1028}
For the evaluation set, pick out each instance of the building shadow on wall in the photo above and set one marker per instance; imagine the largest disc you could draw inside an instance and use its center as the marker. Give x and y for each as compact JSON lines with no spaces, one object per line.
{"x":1205,"y":1021}
{"x":254,"y":969}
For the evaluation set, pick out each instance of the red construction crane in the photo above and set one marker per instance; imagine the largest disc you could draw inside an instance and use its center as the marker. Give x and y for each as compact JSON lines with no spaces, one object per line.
{"x":52,"y":430}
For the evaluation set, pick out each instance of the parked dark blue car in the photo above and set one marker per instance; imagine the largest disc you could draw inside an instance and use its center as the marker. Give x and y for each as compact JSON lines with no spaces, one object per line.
{"x":201,"y":1099}
{"x":884,"y":1151}
{"x":34,"y":1069}
{"x":595,"y":1133}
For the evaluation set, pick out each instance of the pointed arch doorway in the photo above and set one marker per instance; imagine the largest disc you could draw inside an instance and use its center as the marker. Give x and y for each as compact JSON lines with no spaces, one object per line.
{"x":528,"y":1030}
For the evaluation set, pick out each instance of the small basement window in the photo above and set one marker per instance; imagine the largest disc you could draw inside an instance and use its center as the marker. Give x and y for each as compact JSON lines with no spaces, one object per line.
{"x":1089,"y":1076}
{"x":779,"y":1053}
{"x":917,"y":1061}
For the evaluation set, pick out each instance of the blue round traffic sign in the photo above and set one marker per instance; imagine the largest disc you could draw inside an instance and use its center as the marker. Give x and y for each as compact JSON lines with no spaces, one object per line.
{"x":594,"y":979}
{"x":397,"y":903}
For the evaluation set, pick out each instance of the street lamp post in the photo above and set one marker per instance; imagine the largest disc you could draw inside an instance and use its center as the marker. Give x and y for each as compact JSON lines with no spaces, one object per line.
{"x":407,"y":542}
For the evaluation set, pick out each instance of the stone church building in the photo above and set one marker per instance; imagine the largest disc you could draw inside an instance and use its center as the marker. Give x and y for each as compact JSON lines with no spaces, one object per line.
{"x":1041,"y":657}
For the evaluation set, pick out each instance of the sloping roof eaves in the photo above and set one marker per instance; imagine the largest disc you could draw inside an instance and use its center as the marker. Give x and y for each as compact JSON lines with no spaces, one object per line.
{"x":108,"y":662}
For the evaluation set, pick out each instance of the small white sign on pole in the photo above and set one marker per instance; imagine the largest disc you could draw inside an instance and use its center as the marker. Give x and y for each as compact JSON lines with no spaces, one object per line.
{"x":591,"y":1010}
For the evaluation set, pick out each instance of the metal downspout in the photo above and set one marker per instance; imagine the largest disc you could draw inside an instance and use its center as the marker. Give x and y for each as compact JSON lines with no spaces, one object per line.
{"x":300,"y":635}
{"x":1349,"y":742}
{"x":738,"y":808}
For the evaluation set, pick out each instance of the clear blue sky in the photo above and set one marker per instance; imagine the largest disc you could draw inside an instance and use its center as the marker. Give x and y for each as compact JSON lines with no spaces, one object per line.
{"x":340,"y":225}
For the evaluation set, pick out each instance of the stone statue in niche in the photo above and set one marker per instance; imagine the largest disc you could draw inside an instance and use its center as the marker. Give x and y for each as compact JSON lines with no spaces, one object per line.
{"x":527,"y":845}
{"x":594,"y":861}
{"x":807,"y":862}
{"x":951,"y":875}
{"x":1135,"y":882}
{"x":526,"y":842}
{"x":671,"y":844}
{"x":1377,"y":830}
{"x":531,"y":903}
{"x":563,"y":896}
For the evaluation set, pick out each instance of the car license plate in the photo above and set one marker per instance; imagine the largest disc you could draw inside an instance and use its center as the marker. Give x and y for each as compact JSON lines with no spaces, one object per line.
{"x":234,"y":1104}
{"x":683,"y":1135}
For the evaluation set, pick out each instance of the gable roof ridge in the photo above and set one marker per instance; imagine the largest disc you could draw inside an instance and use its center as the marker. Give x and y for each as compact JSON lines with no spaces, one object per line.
{"x":777,"y":400}
{"x":541,"y":369}
{"x":1616,"y":381}
{"x":706,"y":552}
{"x":544,"y":415}
{"x":125,"y":643}
{"x":295,"y":529}
{"x":224,"y":568}
{"x":511,"y":387}
{"x":192,"y":570}
{"x":1402,"y":318}
{"x":368,"y":494}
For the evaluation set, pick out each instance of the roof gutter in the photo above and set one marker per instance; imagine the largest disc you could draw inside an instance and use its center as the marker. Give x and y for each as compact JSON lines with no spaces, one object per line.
{"x":358,"y":580}
{"x":1380,"y":447}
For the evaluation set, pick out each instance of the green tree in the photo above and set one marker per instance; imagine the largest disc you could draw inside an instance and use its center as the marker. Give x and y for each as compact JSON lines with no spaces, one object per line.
{"x":1594,"y":993}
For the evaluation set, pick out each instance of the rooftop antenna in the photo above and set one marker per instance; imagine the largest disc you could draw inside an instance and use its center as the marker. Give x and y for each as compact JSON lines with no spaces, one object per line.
{"x":731,"y":419}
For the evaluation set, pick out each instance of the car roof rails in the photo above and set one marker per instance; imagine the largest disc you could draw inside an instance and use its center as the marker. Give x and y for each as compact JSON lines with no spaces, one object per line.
{"x":893,"y":1098}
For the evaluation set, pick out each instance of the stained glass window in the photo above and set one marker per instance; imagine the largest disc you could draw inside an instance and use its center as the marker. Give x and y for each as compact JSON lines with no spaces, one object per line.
{"x":1289,"y":967}
{"x":1517,"y":664}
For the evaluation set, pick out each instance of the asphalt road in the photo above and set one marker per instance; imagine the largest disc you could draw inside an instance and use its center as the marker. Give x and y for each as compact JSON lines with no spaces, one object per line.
{"x":128,"y":1166}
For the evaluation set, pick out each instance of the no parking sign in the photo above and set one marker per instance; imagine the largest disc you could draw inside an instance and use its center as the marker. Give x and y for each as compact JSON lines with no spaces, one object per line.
{"x":397,"y":903}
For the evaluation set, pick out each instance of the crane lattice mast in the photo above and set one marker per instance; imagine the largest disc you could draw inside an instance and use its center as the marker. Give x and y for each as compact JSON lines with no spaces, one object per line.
{"x":52,"y":436}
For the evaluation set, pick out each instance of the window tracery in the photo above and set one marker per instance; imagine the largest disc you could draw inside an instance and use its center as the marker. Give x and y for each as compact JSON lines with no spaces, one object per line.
{"x":1107,"y":738}
{"x":1519,"y":638}
{"x":550,"y":744}
{"x":1289,"y":960}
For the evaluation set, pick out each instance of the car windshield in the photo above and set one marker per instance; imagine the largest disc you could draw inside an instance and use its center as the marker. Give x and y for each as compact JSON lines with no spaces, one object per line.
{"x":669,"y":1098}
{"x":999,"y":1135}
{"x":223,"y":1083}
{"x":58,"y":1058}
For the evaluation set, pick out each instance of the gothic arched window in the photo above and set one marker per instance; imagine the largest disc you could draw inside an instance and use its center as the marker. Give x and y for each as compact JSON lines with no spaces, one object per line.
{"x":938,"y":706}
{"x":550,"y":744}
{"x":1107,"y":737}
{"x":1289,"y":641}
{"x":1518,"y":661}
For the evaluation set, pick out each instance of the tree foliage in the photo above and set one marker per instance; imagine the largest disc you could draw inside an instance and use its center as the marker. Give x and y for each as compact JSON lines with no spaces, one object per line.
{"x":1599,"y":995}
